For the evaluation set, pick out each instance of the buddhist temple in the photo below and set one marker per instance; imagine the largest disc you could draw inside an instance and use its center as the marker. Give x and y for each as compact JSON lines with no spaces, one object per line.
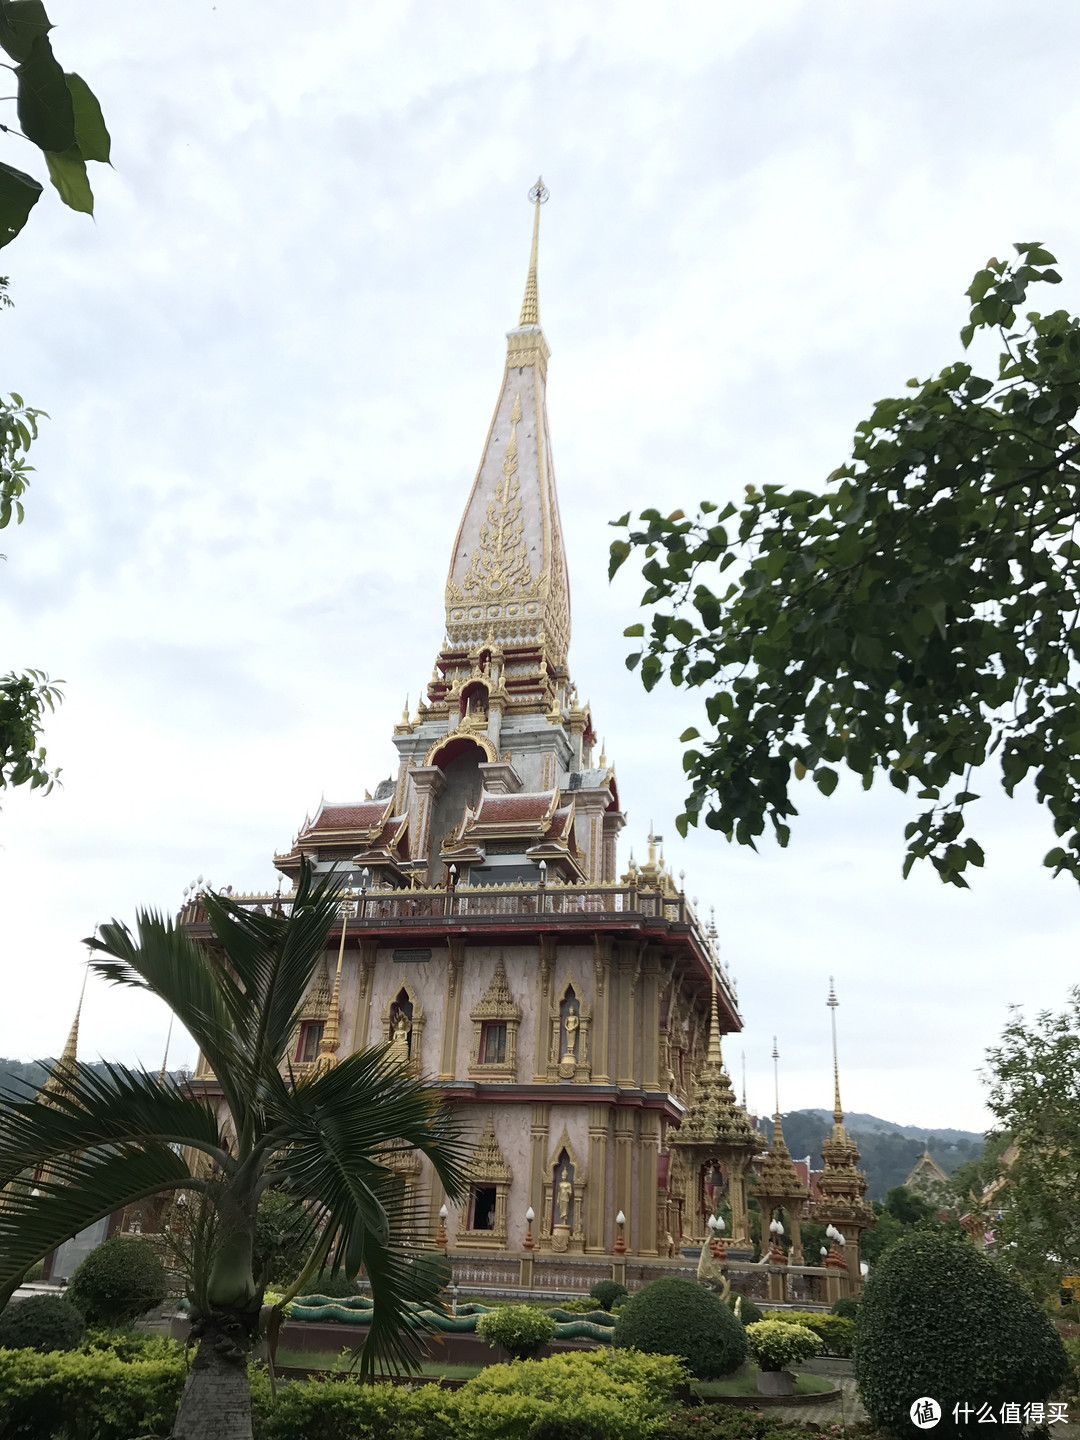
{"x":572,"y":1014}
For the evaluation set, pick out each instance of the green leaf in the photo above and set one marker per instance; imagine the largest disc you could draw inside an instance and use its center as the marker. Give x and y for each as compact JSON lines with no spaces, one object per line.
{"x":19,"y":194}
{"x":634,"y":632}
{"x":620,"y":549}
{"x":867,"y":649}
{"x":44,"y":105}
{"x":21,"y":22}
{"x":91,"y":136}
{"x":622,"y":520}
{"x":687,"y":735}
{"x":825,"y":779}
{"x":68,"y":173}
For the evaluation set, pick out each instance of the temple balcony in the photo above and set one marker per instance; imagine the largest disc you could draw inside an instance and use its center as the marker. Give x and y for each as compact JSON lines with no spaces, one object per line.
{"x":512,"y":909}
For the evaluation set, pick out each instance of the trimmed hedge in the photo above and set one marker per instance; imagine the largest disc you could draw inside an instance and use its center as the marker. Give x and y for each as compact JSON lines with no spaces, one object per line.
{"x":679,"y":1317}
{"x":588,"y":1395}
{"x":119,"y":1280}
{"x":777,"y":1344}
{"x":607,"y":1293}
{"x":744,"y":1308}
{"x":41,"y":1322}
{"x":836,"y":1333}
{"x":71,"y":1396}
{"x":938,"y":1318}
{"x":519,"y":1329}
{"x":847,"y":1307}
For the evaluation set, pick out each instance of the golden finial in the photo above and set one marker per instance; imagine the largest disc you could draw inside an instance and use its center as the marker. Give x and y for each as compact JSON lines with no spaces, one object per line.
{"x":832,"y":1002}
{"x":603,"y":753}
{"x":715,"y":1057}
{"x":405,"y":712}
{"x":776,"y":1075}
{"x":328,"y":1043}
{"x":530,"y":305}
{"x":71,"y":1047}
{"x":165,"y":1057}
{"x":743,"y":1057}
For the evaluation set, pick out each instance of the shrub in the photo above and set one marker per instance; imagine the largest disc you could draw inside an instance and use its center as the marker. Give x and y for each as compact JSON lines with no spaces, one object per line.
{"x":42,"y":1323}
{"x":130,"y":1344}
{"x":600,"y":1394}
{"x":607,"y":1293}
{"x":334,"y":1287}
{"x":519,"y":1329}
{"x":836,"y":1333}
{"x":938,"y":1318}
{"x":743,"y":1307}
{"x":69,"y":1397}
{"x":847,"y":1307}
{"x":674,"y":1316}
{"x":775,"y":1344}
{"x":119,"y":1280}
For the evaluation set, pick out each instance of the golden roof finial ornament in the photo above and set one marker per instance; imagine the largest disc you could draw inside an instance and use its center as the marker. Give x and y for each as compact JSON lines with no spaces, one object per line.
{"x":329,"y":1041}
{"x":530,"y":304}
{"x":832,"y":1002}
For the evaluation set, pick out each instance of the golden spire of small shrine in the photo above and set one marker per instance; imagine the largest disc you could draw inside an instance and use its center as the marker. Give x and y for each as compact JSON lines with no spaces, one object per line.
{"x":329,"y":1040}
{"x":838,"y":1109}
{"x":69,"y":1054}
{"x":530,"y":304}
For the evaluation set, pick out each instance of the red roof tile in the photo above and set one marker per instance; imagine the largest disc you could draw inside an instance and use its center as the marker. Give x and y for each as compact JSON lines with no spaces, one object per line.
{"x":506,"y":809}
{"x":350,"y":817}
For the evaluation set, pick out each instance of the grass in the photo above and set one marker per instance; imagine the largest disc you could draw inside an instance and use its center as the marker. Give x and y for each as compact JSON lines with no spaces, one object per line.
{"x":744,"y":1382}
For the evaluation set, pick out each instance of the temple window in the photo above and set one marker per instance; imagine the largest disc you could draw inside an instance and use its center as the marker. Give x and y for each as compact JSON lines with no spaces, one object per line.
{"x":482,"y":1207}
{"x":310,"y":1034}
{"x":493,"y":1043}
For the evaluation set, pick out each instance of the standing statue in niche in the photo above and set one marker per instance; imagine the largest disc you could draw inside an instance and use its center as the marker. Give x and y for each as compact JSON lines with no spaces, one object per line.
{"x":399,"y":1043}
{"x":564,"y":1196}
{"x":570,"y":1027}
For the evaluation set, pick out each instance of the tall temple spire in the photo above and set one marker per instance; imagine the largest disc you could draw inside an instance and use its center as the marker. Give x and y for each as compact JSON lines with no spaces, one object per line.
{"x":838,"y":1109}
{"x":507,"y":588}
{"x":530,"y":303}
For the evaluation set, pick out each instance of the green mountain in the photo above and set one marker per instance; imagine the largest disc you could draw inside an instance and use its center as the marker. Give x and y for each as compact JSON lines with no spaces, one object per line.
{"x":889,"y":1151}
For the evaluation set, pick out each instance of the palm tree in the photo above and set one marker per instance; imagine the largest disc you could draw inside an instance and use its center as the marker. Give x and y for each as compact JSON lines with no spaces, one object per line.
{"x":100,"y":1140}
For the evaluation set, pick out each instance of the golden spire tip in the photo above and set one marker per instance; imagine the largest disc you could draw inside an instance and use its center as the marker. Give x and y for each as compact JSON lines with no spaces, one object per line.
{"x":530,"y":304}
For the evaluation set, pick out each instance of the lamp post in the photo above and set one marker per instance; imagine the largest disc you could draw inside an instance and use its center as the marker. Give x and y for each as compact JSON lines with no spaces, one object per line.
{"x":618,"y":1264}
{"x":440,"y":1238}
{"x":525,"y":1265}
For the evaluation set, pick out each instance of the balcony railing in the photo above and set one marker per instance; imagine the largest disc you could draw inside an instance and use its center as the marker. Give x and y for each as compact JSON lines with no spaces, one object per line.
{"x":514,"y":900}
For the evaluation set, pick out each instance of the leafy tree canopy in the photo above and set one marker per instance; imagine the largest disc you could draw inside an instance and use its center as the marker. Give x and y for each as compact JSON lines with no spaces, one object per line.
{"x":1034,"y":1094}
{"x":915,"y":619}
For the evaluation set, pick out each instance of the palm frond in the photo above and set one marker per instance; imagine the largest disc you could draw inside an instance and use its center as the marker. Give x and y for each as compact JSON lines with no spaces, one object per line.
{"x":87,"y":1108}
{"x":76,"y":1192}
{"x":165,"y":960}
{"x":275,"y":956}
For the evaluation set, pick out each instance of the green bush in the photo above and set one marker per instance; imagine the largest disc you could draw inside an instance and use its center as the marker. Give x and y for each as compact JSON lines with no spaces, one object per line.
{"x":776,"y":1344}
{"x":130,"y":1344}
{"x":938,"y":1318}
{"x":519,"y":1329}
{"x":70,"y":1397}
{"x":674,"y":1316}
{"x":334,"y":1287}
{"x":847,"y":1307}
{"x":744,"y":1308}
{"x":42,"y":1323}
{"x":836,"y":1333}
{"x":604,"y":1395}
{"x":607,"y":1293}
{"x":118,"y":1281}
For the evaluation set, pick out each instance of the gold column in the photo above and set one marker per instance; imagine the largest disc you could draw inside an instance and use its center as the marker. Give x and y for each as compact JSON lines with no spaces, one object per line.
{"x":624,"y":1156}
{"x":624,"y":1022}
{"x":601,"y":1029}
{"x":452,"y":1008}
{"x":649,"y":988}
{"x":544,"y":974}
{"x":538,"y":1146}
{"x":648,"y":1154}
{"x":365,"y":981}
{"x":595,"y":1219}
{"x":740,"y":1214}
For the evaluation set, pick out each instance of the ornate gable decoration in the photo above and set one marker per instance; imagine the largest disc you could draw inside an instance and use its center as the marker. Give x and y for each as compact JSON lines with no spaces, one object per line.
{"x":317,"y":1004}
{"x":488,"y":1163}
{"x":497,"y":1003}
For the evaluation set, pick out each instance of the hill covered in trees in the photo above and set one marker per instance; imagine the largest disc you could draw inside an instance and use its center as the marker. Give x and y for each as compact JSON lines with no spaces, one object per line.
{"x":888,"y":1151}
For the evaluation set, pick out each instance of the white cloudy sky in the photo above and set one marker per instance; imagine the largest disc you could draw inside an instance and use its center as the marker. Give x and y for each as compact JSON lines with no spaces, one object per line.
{"x":270,"y":364}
